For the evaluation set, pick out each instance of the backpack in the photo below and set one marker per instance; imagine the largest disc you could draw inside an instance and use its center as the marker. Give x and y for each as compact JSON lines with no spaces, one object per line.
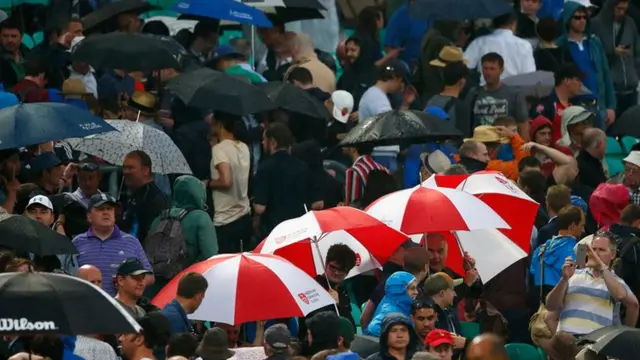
{"x":166,"y":247}
{"x":627,"y":262}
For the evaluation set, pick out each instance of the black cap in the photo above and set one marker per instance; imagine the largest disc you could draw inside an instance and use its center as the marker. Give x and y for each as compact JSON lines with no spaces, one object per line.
{"x":44,"y":161}
{"x":101,"y":199}
{"x":567,"y":71}
{"x":395,"y":68}
{"x":133,"y":267}
{"x":5,"y":154}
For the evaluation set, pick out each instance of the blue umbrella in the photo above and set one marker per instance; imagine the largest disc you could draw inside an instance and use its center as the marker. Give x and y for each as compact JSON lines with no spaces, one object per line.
{"x":224,"y":10}
{"x":459,"y":9}
{"x":30,"y":124}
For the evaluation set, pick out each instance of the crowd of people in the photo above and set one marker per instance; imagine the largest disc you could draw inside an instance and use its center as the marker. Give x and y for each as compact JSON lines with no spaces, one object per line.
{"x":252,"y":172}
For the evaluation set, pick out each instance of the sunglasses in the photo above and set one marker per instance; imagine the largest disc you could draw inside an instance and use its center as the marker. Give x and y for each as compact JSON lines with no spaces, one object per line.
{"x":88,"y":167}
{"x":422,"y":304}
{"x":579,"y":17}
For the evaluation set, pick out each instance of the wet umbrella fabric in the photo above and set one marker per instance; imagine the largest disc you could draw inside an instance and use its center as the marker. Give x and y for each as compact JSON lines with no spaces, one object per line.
{"x":29,"y":124}
{"x":105,"y":16}
{"x":224,"y":10}
{"x":619,"y":342}
{"x":459,"y":9}
{"x":130,"y":52}
{"x":292,"y":98}
{"x":627,"y":124}
{"x":290,"y":10}
{"x":32,"y":303}
{"x":395,"y":126}
{"x":24,"y":234}
{"x":537,"y":84}
{"x":210,"y":89}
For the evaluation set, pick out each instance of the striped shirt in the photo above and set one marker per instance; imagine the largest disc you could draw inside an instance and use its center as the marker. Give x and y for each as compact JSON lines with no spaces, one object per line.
{"x":588,"y":306}
{"x":108,"y":254}
{"x":356,"y":177}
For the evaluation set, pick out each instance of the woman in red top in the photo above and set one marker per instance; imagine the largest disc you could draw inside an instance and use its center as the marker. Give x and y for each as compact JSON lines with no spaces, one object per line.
{"x":542,"y":133}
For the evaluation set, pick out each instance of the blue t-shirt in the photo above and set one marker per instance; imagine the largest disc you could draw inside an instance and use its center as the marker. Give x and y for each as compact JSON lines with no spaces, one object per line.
{"x":404,"y":31}
{"x":582,"y":57}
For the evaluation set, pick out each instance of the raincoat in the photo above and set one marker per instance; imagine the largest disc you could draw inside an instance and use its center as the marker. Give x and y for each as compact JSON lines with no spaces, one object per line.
{"x":395,"y":300}
{"x":556,"y":251}
{"x":388,"y":322}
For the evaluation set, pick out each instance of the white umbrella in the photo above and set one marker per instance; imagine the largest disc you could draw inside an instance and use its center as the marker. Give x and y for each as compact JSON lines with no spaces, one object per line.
{"x":112,"y":147}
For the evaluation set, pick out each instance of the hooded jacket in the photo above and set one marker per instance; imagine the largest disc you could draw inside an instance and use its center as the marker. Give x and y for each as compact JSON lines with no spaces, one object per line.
{"x":199,"y":234}
{"x":387,"y":323}
{"x":624,"y":69}
{"x":360,"y":75}
{"x":570,"y":116}
{"x":606,"y":94}
{"x":395,"y":300}
{"x":555,"y":253}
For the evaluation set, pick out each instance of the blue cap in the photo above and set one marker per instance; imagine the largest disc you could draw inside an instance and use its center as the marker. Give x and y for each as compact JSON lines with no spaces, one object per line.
{"x":579,"y":202}
{"x":437,"y":111}
{"x":224,"y":50}
{"x":44,"y":161}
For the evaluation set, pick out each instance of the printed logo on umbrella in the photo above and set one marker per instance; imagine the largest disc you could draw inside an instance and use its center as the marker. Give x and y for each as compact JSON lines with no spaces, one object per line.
{"x":90,"y":126}
{"x":507,"y":184}
{"x":358,"y":259}
{"x":309,"y":296}
{"x":304,"y":298}
{"x":280,"y":239}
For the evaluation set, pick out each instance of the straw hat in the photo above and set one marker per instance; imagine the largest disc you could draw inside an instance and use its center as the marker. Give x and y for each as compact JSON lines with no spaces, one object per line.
{"x":143,"y":101}
{"x":448,"y":54}
{"x":74,"y":87}
{"x":487,"y":134}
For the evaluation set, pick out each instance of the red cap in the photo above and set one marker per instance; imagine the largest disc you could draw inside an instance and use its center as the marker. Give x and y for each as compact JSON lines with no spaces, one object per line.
{"x":438,"y":337}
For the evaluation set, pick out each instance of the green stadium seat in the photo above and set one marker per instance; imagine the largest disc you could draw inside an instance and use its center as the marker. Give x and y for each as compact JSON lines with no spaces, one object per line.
{"x":470,"y":329}
{"x":628,"y":142}
{"x":519,"y":351}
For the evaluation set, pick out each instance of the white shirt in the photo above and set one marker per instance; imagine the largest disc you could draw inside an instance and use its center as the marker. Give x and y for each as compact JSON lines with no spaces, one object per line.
{"x":374,"y":101}
{"x":88,"y":79}
{"x":516,"y":52}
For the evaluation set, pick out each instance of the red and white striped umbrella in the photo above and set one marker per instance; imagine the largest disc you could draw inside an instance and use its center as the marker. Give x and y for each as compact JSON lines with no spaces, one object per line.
{"x":250,"y":287}
{"x":422,"y":210}
{"x":305,"y":240}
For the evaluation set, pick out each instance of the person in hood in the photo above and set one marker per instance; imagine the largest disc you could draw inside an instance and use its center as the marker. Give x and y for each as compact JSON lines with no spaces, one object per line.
{"x":553,"y":253}
{"x":575,"y":120}
{"x":398,"y":340}
{"x":542,"y":134}
{"x":607,"y":202}
{"x":619,"y":36}
{"x":361,"y":73}
{"x":400,"y":290}
{"x":588,"y":53}
{"x":199,"y":234}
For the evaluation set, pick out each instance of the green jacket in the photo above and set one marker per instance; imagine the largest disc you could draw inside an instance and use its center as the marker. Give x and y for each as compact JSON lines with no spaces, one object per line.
{"x":199,"y":234}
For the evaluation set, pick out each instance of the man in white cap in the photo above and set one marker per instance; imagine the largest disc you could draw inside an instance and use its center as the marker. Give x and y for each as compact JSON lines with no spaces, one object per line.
{"x":631,"y":176}
{"x":340,"y":105}
{"x":40,"y":209}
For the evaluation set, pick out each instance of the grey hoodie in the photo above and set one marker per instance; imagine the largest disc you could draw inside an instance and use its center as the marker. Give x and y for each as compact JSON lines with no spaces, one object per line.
{"x":624,"y":69}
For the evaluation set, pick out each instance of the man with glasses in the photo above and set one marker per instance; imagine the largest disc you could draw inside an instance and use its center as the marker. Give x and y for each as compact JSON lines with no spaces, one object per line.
{"x":423,"y":316}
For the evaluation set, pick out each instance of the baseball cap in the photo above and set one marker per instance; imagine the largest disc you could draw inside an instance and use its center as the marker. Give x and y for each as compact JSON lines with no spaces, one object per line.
{"x":396,"y":68}
{"x":342,"y":105}
{"x":347,"y":331}
{"x":44,"y":161}
{"x":40,"y":200}
{"x":101,"y":199}
{"x":278,"y":337}
{"x":132,"y":266}
{"x":438,"y":337}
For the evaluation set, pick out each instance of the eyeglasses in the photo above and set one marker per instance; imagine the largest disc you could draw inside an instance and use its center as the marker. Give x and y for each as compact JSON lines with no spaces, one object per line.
{"x":579,"y":17}
{"x":336,"y":269}
{"x":88,"y":166}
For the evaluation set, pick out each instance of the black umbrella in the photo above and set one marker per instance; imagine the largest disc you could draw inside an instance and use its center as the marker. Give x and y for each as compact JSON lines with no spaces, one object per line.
{"x":620,"y":342}
{"x":459,"y":9}
{"x":24,"y":234}
{"x":130,"y":52}
{"x":627,"y":124}
{"x":269,"y":4}
{"x":393,"y":127}
{"x":364,"y":345}
{"x":209,"y":89}
{"x":289,"y":14}
{"x":32,"y":303}
{"x":105,"y":17}
{"x":295,"y":99}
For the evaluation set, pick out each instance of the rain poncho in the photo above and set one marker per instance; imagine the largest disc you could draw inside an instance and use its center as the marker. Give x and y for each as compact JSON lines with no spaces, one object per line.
{"x":396,"y":299}
{"x":388,"y":322}
{"x":555,"y":253}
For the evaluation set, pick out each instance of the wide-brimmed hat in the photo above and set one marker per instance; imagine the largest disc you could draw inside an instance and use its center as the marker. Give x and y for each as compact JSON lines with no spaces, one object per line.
{"x":143,"y":101}
{"x":214,"y":345}
{"x":74,"y":87}
{"x":448,"y":54}
{"x":487,"y":134}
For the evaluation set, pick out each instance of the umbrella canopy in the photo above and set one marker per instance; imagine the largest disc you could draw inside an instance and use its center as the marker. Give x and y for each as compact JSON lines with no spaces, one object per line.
{"x":32,"y":303}
{"x":105,"y":17}
{"x":24,"y":234}
{"x":130,"y":52}
{"x":29,"y":124}
{"x":240,"y":283}
{"x":295,"y":99}
{"x":166,"y":157}
{"x":537,"y":84}
{"x":224,"y":10}
{"x":290,"y":14}
{"x":359,"y":231}
{"x":210,"y":89}
{"x":464,"y":9}
{"x":395,"y":126}
{"x":267,"y":5}
{"x":290,"y":10}
{"x":619,"y":342}
{"x":627,"y":123}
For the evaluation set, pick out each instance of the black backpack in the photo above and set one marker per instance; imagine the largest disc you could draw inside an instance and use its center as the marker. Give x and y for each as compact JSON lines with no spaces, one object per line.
{"x":627,"y":262}
{"x":166,"y":247}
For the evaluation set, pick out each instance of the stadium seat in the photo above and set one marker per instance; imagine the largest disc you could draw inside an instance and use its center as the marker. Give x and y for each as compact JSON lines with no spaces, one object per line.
{"x":522,"y":352}
{"x":614,"y":155}
{"x":470,"y":329}
{"x":38,"y":37}
{"x":628,"y":142}
{"x":27,"y":41}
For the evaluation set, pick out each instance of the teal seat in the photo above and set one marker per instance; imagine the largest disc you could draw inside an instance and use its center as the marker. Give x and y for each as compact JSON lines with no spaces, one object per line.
{"x":628,"y":142}
{"x":38,"y":37}
{"x":162,"y":12}
{"x":614,"y":155}
{"x":518,"y":351}
{"x":470,"y":329}
{"x":543,"y":355}
{"x":27,"y":41}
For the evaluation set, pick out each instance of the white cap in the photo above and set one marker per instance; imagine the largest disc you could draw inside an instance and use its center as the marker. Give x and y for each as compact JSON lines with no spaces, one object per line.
{"x":633,"y":158}
{"x":41,"y":200}
{"x":76,"y":40}
{"x":342,"y":105}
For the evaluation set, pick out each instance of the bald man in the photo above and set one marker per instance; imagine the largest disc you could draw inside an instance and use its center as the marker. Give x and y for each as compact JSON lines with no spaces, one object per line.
{"x":487,"y":347}
{"x":303,"y":55}
{"x":590,"y":158}
{"x":90,"y":273}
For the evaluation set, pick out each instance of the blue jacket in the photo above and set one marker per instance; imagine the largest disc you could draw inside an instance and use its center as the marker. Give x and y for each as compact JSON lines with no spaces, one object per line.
{"x":387,"y":323}
{"x":177,"y":317}
{"x":395,"y":300}
{"x":606,"y":93}
{"x":69,"y":343}
{"x":556,"y":251}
